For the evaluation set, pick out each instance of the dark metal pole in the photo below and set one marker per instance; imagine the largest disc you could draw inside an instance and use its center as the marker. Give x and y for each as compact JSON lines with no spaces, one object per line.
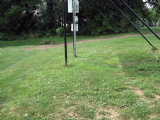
{"x":132,"y":24}
{"x":65,"y":39}
{"x":140,"y":19}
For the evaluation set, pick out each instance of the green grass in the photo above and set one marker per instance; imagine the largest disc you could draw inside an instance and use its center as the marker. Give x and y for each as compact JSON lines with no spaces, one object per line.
{"x":146,"y":31}
{"x":56,"y":40}
{"x":98,"y":84}
{"x":60,"y":40}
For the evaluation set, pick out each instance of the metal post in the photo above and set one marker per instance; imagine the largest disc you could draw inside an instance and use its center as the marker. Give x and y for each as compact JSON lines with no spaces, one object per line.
{"x":132,"y":24}
{"x":140,"y":19}
{"x":65,"y":39}
{"x":74,"y":29}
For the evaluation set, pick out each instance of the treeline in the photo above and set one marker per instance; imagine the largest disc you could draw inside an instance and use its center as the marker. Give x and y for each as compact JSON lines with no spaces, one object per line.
{"x":20,"y":19}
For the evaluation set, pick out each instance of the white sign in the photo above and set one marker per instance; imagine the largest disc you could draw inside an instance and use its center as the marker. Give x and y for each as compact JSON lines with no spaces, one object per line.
{"x":76,"y":27}
{"x":75,"y":19}
{"x":70,"y":7}
{"x":76,"y":6}
{"x":73,"y":4}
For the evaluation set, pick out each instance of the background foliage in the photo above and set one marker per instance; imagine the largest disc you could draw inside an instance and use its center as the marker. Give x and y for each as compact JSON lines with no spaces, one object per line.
{"x":23,"y":19}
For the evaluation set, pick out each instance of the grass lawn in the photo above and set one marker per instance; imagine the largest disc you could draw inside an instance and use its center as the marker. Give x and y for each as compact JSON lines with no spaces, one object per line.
{"x":113,"y":79}
{"x":60,"y":40}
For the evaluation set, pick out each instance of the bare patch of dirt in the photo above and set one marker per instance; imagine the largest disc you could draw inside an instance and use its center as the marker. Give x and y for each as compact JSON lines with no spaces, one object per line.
{"x":121,"y":73}
{"x":157,"y":96}
{"x":138,"y":91}
{"x":152,"y":106}
{"x":72,"y":114}
{"x":109,"y":113}
{"x":142,"y":97}
{"x":43,"y":47}
{"x":152,"y":116}
{"x":23,"y":85}
{"x":120,"y":66}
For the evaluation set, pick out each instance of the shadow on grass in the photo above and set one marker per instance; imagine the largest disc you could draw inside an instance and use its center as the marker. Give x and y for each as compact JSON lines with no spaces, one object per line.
{"x":136,"y":63}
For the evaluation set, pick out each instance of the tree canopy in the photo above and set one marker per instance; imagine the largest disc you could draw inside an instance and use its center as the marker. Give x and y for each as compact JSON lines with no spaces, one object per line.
{"x":44,"y":18}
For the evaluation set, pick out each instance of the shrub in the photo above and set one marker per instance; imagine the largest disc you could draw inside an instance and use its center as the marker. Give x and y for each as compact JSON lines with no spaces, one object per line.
{"x":95,"y":32}
{"x":8,"y":37}
{"x":40,"y":33}
{"x":1,"y":35}
{"x":49,"y":34}
{"x":60,"y":31}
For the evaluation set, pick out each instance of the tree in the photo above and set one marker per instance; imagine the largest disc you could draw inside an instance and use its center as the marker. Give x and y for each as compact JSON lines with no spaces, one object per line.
{"x":17,"y":17}
{"x":43,"y":17}
{"x":101,"y":18}
{"x":155,"y":16}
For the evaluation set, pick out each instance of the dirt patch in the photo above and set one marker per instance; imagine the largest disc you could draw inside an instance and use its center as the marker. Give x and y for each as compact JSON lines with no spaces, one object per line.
{"x":142,"y":97}
{"x":45,"y":47}
{"x":138,"y":91}
{"x":121,"y":73}
{"x":152,"y":116}
{"x":72,"y":114}
{"x":24,"y":85}
{"x":157,"y":97}
{"x":107,"y":114}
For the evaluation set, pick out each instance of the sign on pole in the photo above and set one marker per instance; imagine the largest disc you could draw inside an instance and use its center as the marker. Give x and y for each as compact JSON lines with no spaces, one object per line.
{"x":70,"y":6}
{"x":73,"y":7}
{"x":76,"y":6}
{"x":76,"y":27}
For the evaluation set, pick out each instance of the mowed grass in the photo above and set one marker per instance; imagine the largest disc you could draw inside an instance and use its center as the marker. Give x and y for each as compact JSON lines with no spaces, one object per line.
{"x":60,"y":40}
{"x":114,"y":79}
{"x":147,"y":31}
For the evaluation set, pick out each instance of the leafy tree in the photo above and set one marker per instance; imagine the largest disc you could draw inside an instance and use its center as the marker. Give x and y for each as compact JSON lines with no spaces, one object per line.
{"x":49,"y":17}
{"x":43,"y":17}
{"x":100,"y":17}
{"x":155,"y":16}
{"x":17,"y":17}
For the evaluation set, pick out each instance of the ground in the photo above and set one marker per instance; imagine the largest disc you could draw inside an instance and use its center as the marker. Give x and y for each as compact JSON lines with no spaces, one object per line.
{"x":111,"y":79}
{"x":45,"y":47}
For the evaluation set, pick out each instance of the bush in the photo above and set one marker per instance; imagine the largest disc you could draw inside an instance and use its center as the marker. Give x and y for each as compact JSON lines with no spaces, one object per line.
{"x":8,"y":37}
{"x":39,"y":33}
{"x":1,"y":35}
{"x":48,"y":34}
{"x":11,"y":37}
{"x":52,"y":32}
{"x":96,"y":32}
{"x":60,"y":31}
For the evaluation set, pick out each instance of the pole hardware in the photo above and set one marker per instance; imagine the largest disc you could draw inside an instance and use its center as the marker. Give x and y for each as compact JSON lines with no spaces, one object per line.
{"x":73,"y":7}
